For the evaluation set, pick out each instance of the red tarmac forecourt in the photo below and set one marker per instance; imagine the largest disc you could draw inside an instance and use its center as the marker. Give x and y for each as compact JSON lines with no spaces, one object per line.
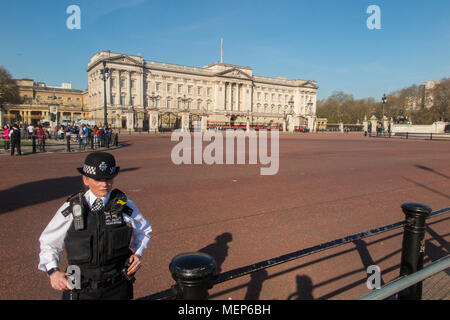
{"x":329,"y":185}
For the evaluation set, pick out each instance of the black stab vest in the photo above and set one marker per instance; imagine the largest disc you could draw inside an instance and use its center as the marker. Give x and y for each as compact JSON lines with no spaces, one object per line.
{"x":102,"y":247}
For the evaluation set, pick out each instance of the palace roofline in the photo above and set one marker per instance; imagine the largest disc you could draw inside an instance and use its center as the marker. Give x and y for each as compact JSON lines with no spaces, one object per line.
{"x":202,"y":71}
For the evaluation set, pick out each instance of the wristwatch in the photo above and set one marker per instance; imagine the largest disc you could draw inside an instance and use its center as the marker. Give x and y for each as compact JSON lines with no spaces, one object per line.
{"x":51,"y":271}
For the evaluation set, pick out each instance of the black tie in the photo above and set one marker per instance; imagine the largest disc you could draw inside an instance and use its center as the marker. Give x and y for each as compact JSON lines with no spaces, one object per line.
{"x":97,"y":205}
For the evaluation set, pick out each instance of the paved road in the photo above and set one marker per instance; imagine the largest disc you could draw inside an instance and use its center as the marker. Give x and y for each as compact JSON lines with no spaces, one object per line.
{"x":328,"y":186}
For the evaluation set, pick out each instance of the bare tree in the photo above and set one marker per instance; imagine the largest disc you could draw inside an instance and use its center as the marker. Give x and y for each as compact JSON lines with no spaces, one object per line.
{"x":8,"y":87}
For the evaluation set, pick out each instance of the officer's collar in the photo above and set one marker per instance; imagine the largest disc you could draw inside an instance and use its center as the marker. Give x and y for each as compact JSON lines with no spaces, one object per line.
{"x":90,"y":197}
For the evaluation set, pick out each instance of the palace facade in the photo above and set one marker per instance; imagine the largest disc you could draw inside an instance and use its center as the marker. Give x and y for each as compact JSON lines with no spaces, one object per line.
{"x":149,"y":95}
{"x":40,"y":101}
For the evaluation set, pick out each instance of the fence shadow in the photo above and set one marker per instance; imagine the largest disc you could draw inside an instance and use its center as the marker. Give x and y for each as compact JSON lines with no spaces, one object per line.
{"x":219,"y":249}
{"x":427,"y":188}
{"x":304,"y":289}
{"x":436,"y":252}
{"x":366,"y":258}
{"x":254,"y":287}
{"x":431,"y":170}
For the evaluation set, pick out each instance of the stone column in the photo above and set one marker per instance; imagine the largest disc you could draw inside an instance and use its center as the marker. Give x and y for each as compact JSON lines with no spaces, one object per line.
{"x":239,"y":86}
{"x":386,"y":124}
{"x":373,"y":121}
{"x":185,"y":122}
{"x":365,"y":124}
{"x":204,"y":123}
{"x":130,"y":120}
{"x":140,"y":90}
{"x":118,"y":94}
{"x":225,"y":88}
{"x":129,"y":87}
{"x":154,"y":120}
{"x":108,"y":90}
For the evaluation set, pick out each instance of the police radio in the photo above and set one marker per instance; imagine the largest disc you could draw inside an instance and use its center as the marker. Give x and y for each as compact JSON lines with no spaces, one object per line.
{"x":78,"y":217}
{"x":77,"y":212}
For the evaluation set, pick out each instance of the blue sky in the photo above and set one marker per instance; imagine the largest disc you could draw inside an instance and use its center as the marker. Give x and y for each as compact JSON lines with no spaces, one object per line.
{"x":326,"y":41}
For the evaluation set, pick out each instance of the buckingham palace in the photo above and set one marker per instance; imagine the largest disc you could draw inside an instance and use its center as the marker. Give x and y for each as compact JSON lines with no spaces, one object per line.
{"x":149,"y":95}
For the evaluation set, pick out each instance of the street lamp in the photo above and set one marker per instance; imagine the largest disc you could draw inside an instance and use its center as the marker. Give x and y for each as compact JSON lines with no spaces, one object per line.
{"x":291,"y":104}
{"x":383,"y":99}
{"x":104,"y":75}
{"x":153,"y":98}
{"x":184,"y":99}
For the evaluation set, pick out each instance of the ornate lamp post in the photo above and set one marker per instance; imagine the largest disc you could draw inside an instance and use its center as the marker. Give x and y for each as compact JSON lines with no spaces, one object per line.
{"x":383,"y":99}
{"x":184,"y":100}
{"x":153,"y":98}
{"x":104,"y":75}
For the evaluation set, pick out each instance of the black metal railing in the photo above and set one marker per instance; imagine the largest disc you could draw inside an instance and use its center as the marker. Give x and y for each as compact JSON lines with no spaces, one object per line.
{"x":412,"y":135}
{"x":193,"y":272}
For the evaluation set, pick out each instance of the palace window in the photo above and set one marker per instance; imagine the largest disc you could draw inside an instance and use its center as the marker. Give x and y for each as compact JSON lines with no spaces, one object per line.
{"x":199,"y":91}
{"x":208,"y":91}
{"x":122,"y":100}
{"x":169,"y":87}
{"x":189,"y":89}
{"x":112,"y":100}
{"x":180,"y":88}
{"x":168,"y":103}
{"x":158,"y":85}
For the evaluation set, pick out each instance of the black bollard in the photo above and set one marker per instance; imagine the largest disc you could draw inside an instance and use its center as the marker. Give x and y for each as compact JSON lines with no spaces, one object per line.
{"x":116,"y":139}
{"x":192,"y":272}
{"x":33,"y":142}
{"x":92,"y":142}
{"x":68,"y":142}
{"x":413,"y":247}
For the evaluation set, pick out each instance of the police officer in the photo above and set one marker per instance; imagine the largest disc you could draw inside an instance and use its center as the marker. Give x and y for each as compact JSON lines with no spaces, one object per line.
{"x":103,"y":233}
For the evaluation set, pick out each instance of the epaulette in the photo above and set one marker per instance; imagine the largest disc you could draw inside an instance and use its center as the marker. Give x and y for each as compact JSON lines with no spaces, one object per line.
{"x":72,"y":197}
{"x":68,"y":210}
{"x":127,"y":210}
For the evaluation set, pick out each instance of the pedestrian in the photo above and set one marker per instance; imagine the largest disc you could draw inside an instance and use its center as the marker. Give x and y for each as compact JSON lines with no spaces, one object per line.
{"x":96,"y":227}
{"x":95,"y":133}
{"x":6,"y":137}
{"x":30,"y":130}
{"x":14,"y":136}
{"x":40,"y":133}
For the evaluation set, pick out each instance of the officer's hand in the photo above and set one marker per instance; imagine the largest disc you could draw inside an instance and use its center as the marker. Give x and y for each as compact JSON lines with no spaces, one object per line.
{"x":58,"y":280}
{"x":135,"y":261}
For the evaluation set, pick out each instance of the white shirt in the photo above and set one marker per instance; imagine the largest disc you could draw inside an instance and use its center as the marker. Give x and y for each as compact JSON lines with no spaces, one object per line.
{"x":52,"y":238}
